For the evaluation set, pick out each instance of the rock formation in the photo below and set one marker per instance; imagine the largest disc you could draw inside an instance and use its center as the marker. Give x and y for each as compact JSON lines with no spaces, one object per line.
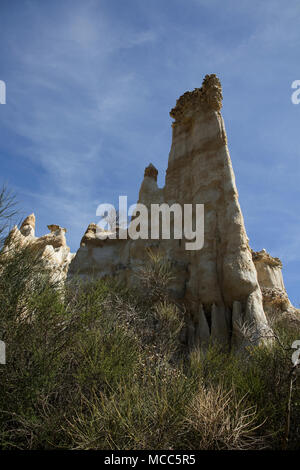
{"x":270,"y":279}
{"x":52,"y":247}
{"x":218,"y":284}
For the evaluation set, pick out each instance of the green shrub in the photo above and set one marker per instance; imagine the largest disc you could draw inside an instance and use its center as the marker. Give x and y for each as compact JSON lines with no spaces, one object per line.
{"x":95,"y":366}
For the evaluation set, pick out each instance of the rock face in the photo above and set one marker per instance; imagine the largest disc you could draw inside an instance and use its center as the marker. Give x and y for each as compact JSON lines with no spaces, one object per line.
{"x":218,"y":284}
{"x":51,"y":247}
{"x":270,"y":279}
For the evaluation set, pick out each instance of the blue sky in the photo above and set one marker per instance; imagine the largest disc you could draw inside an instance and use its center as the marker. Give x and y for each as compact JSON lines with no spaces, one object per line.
{"x":90,"y":85}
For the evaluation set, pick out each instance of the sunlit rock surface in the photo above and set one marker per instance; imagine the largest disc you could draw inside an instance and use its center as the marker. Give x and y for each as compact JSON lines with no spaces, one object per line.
{"x":52,"y":247}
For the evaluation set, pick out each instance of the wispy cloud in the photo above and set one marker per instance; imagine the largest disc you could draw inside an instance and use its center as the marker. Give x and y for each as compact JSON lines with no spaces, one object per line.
{"x":90,"y":85}
{"x":67,"y":101}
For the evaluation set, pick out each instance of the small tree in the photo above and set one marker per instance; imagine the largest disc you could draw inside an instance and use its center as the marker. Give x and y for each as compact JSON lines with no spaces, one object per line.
{"x":7,"y":212}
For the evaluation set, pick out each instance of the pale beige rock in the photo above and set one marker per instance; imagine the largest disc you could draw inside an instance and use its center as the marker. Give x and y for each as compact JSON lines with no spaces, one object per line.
{"x":218,"y":284}
{"x":28,"y":226}
{"x":269,"y":273}
{"x":52,"y":247}
{"x":268,"y":269}
{"x":29,"y":220}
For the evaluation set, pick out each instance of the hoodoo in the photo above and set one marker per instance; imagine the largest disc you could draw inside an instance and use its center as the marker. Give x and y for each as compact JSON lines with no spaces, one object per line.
{"x":218,"y":284}
{"x":51,"y":248}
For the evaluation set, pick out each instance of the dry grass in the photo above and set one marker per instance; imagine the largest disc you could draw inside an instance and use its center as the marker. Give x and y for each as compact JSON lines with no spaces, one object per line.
{"x":217,"y":419}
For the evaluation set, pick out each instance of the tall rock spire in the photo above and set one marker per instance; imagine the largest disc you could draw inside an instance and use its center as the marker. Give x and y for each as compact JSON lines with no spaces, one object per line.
{"x":200,"y":172}
{"x":218,"y":284}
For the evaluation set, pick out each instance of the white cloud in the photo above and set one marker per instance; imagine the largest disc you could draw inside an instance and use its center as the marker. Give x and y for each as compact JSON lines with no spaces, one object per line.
{"x":67,"y":97}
